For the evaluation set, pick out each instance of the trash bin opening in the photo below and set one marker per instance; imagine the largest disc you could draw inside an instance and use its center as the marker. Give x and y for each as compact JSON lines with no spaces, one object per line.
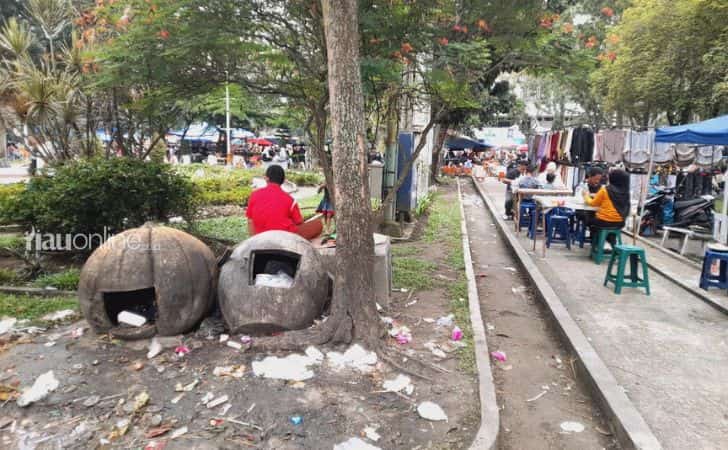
{"x":140,"y":301}
{"x":272,"y":262}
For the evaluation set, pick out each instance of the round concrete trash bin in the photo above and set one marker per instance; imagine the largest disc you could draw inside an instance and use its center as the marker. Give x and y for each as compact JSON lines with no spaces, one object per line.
{"x":273,"y":281}
{"x":162,"y":274}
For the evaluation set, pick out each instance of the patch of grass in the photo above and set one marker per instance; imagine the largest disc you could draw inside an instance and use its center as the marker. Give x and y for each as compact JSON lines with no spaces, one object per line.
{"x":308,"y":205}
{"x":29,"y":307}
{"x":8,"y":277}
{"x":401,"y":250}
{"x":232,"y":229}
{"x":444,"y":227}
{"x":412,"y":273}
{"x":12,"y":242}
{"x":66,"y":280}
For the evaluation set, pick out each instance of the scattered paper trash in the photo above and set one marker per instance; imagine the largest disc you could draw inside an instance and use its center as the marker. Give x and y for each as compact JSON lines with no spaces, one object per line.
{"x":457,"y":334}
{"x":229,"y":371}
{"x":445,"y":321}
{"x":428,"y":320}
{"x":370,"y":433}
{"x":44,"y":385}
{"x":315,"y":354}
{"x":7,"y":324}
{"x":58,"y":315}
{"x":77,"y":332}
{"x":572,"y":427}
{"x":91,"y":401}
{"x":296,"y":420}
{"x":224,"y":337}
{"x":499,"y":355}
{"x":431,"y":411}
{"x":217,"y":402}
{"x":355,"y":444}
{"x":50,"y":344}
{"x":187,"y":388}
{"x":207,"y":398}
{"x":235,"y":345}
{"x":132,"y":319}
{"x":435,"y":349}
{"x":533,"y":399}
{"x":155,"y":348}
{"x":356,"y":357}
{"x":399,"y":384}
{"x":178,"y":432}
{"x":292,"y":367}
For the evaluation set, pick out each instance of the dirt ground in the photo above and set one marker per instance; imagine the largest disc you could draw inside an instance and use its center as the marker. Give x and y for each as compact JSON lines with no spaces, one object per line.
{"x":536,"y":387}
{"x":101,"y":380}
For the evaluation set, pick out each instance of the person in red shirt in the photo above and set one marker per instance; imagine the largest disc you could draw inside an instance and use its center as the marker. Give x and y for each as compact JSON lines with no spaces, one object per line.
{"x":270,"y":208}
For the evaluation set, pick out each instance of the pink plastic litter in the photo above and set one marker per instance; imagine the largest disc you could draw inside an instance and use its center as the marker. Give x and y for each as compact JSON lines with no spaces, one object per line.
{"x":246,"y":339}
{"x":457,"y":334}
{"x":499,"y":355}
{"x":403,"y":338}
{"x":181,"y":350}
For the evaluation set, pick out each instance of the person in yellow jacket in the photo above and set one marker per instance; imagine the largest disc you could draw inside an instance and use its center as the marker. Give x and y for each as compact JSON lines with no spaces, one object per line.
{"x":613,"y":202}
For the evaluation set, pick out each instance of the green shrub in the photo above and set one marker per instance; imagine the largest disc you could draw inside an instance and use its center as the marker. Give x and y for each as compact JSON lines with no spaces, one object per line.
{"x":66,"y":280}
{"x":11,"y":243}
{"x":237,"y":196}
{"x":8,"y":199}
{"x":87,"y":195}
{"x":8,"y":277}
{"x":305,"y":178}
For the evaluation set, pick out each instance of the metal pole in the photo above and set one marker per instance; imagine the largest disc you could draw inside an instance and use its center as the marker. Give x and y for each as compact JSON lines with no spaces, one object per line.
{"x":644,"y":193}
{"x":228,"y":153}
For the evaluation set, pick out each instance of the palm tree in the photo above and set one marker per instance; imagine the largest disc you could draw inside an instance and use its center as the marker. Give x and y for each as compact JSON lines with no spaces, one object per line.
{"x":53,"y":17}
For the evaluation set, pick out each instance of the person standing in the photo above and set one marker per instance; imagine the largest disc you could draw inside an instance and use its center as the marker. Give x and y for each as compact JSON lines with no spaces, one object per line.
{"x":511,"y":175}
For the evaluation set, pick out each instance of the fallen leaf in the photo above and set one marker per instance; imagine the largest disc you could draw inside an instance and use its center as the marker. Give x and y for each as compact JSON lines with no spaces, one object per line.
{"x":158,"y":431}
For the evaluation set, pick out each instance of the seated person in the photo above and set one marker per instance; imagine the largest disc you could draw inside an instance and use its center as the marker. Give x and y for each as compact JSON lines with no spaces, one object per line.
{"x":613,"y":202}
{"x":527,"y":181}
{"x":551,"y":169}
{"x":270,"y":208}
{"x":550,"y":179}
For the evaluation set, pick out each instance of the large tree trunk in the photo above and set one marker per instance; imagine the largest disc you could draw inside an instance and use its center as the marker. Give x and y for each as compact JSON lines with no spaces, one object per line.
{"x":353,"y":308}
{"x":437,"y":150}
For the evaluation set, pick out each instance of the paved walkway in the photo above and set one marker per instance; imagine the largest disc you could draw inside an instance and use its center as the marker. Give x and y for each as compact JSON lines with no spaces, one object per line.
{"x":669,"y":351}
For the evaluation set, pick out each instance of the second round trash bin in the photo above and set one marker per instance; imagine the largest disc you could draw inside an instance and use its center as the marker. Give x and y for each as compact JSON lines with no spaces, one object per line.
{"x":273,"y":281}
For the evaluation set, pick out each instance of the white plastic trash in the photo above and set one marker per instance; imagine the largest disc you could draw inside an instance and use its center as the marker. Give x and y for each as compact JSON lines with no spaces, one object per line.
{"x":44,"y":385}
{"x":431,"y":411}
{"x":132,"y":319}
{"x":279,"y":280}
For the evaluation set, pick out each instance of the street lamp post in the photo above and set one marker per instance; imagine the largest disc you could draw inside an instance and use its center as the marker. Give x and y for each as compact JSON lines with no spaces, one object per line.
{"x":228,"y":152}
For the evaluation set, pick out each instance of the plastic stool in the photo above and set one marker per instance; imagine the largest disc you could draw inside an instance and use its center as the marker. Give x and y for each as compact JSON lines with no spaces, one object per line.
{"x":525,"y":211}
{"x":707,"y":279}
{"x":557,"y":230}
{"x":636,"y":256}
{"x":597,"y":250}
{"x":579,"y":234}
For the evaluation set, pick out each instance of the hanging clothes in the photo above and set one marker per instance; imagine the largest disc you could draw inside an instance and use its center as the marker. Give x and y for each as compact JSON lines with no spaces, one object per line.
{"x":582,"y":145}
{"x":612,"y":145}
{"x":554,"y":147}
{"x":566,"y":156}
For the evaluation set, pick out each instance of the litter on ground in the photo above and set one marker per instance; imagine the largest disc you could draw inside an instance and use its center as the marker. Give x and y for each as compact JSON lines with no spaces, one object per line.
{"x":292,"y":367}
{"x":399,"y":384}
{"x":572,"y":427}
{"x":431,"y":411}
{"x":356,"y":357}
{"x":355,"y":444}
{"x":44,"y":385}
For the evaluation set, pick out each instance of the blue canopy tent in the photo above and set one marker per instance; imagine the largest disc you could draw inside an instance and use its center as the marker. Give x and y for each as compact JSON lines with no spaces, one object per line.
{"x":708,"y":132}
{"x":463,"y":142}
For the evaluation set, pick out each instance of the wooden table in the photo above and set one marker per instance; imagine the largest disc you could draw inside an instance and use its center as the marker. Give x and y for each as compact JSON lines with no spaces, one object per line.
{"x":544,"y":204}
{"x":517,"y":197}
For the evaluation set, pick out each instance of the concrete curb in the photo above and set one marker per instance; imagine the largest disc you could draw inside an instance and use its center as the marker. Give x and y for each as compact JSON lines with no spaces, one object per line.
{"x":626,"y":422}
{"x":717,"y":303}
{"x":487,"y":436}
{"x":39,"y":292}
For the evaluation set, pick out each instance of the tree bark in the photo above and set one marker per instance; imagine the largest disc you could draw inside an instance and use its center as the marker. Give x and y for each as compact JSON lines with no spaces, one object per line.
{"x":436,"y":150}
{"x":353,"y":308}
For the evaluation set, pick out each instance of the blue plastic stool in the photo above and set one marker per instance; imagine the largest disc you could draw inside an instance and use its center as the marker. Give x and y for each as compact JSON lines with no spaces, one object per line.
{"x":525,"y":211}
{"x":707,"y":279}
{"x":579,"y":235}
{"x":558,"y":231}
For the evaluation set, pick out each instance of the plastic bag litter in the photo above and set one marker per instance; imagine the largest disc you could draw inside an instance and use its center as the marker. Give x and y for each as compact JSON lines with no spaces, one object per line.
{"x":401,"y":383}
{"x":431,"y":411}
{"x":445,"y":321}
{"x":44,"y":385}
{"x":572,"y":427}
{"x":7,"y":324}
{"x":293,"y":367}
{"x":355,"y":444}
{"x":356,"y":357}
{"x":279,"y":280}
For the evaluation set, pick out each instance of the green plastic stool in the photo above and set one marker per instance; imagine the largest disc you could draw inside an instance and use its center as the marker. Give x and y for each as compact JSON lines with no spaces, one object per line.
{"x":636,"y":256}
{"x":597,"y":249}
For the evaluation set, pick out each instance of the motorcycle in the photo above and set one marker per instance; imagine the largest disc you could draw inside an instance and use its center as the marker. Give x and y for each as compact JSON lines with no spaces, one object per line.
{"x":661,"y":209}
